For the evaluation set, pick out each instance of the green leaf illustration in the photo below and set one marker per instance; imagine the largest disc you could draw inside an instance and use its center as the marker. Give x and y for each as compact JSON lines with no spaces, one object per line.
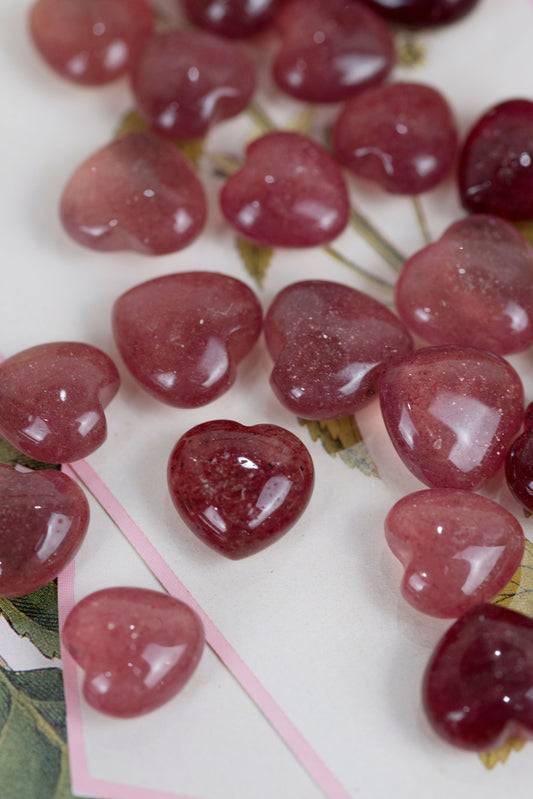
{"x":518,"y":593}
{"x":34,"y":616}
{"x":33,"y":749}
{"x":255,"y":258}
{"x":342,"y":437}
{"x":12,"y":457}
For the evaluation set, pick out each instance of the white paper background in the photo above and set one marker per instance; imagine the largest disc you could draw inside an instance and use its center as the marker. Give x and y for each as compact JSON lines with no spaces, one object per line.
{"x":318,"y":616}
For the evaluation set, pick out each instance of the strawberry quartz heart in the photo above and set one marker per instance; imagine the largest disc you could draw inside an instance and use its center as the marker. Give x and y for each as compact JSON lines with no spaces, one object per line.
{"x":478,"y":685}
{"x":52,"y":400}
{"x":290,"y":193}
{"x":231,"y":18}
{"x":137,"y":193}
{"x":402,"y":136}
{"x":329,"y":343}
{"x":90,"y":41}
{"x":451,"y":413}
{"x":496,"y":164}
{"x":137,"y":647}
{"x":43,"y":519}
{"x":474,"y":287}
{"x":331,"y":49}
{"x":182,"y":336}
{"x":184,"y":82}
{"x":457,"y":548}
{"x":240,"y":488}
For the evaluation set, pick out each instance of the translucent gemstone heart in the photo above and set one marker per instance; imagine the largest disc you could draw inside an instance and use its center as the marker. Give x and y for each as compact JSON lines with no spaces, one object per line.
{"x":457,"y":548}
{"x":43,"y":519}
{"x":422,"y":13}
{"x":290,"y":193}
{"x":401,"y":136}
{"x":137,"y":648}
{"x":331,"y":50}
{"x":231,"y":18}
{"x":184,"y":82}
{"x":137,"y":193}
{"x":329,"y":343}
{"x":182,"y":336}
{"x":240,"y":488}
{"x":519,"y":464}
{"x":496,"y":164}
{"x":451,"y":413}
{"x":52,"y":400}
{"x":473,"y":287}
{"x":478,"y":686}
{"x":90,"y":41}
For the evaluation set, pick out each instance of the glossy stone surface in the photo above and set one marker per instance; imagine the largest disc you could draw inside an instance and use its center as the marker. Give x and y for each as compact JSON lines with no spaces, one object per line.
{"x":329,"y":343}
{"x":457,"y":548}
{"x":184,"y":82}
{"x":478,"y":685}
{"x":232,"y":18}
{"x":183,"y":335}
{"x":451,"y":413}
{"x":331,"y":49}
{"x":473,"y":287}
{"x":519,"y":468}
{"x":52,"y":400}
{"x":239,"y":488}
{"x":402,"y":136}
{"x":422,"y":13}
{"x":44,"y":516}
{"x":290,"y":193}
{"x":137,"y":193}
{"x":90,"y":41}
{"x":137,"y":647}
{"x":496,"y":163}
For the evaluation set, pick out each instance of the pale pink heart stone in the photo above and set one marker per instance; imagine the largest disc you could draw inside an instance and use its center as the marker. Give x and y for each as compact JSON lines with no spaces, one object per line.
{"x":457,"y":549}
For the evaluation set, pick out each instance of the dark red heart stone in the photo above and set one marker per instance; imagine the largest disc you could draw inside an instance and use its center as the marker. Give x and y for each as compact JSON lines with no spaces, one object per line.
{"x":138,"y":648}
{"x":478,"y":685}
{"x":422,"y":13}
{"x":240,"y":488}
{"x":52,"y":400}
{"x":451,"y":413}
{"x":182,"y":336}
{"x":44,"y":516}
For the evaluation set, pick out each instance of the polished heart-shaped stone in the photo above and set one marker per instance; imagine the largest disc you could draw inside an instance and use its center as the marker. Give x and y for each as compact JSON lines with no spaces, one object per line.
{"x":478,"y":685}
{"x":473,"y":287}
{"x":330,"y":50}
{"x":137,"y":648}
{"x":290,"y":193}
{"x":137,"y":193}
{"x":182,"y":336}
{"x":240,"y":488}
{"x":52,"y":400}
{"x":329,"y":343}
{"x":44,"y":516}
{"x":451,"y":413}
{"x":457,"y":548}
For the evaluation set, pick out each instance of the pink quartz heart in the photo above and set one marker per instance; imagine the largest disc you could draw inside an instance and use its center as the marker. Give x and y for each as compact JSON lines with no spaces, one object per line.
{"x":474,"y":287}
{"x":52,"y":400}
{"x":137,"y":648}
{"x":137,"y":193}
{"x":457,"y":549}
{"x":239,"y":488}
{"x":44,"y":516}
{"x":451,"y":413}
{"x":331,"y":49}
{"x":329,"y":343}
{"x":182,"y":336}
{"x":290,"y":193}
{"x":478,"y":685}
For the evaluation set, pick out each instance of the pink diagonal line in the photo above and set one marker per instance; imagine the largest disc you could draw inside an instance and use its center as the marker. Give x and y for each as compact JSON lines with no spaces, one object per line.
{"x":281,"y":723}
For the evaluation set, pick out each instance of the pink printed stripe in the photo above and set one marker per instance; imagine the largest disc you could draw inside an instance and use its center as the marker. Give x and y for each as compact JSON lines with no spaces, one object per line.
{"x":302,"y":750}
